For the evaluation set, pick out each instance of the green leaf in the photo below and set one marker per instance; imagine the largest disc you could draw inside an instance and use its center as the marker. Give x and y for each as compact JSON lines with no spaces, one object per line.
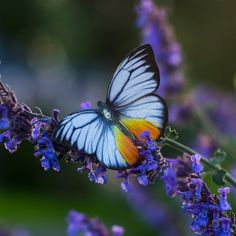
{"x":218,"y":157}
{"x":219,"y":177}
{"x":171,"y":133}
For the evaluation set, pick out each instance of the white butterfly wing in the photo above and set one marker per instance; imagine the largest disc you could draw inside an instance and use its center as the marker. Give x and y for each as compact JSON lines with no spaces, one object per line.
{"x":88,"y":131}
{"x":82,"y":130}
{"x":107,"y":152}
{"x":135,"y":77}
{"x":151,"y":108}
{"x":132,"y":93}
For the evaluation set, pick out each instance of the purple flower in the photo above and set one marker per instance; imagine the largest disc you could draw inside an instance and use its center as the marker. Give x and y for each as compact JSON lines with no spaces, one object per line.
{"x":197,"y":184}
{"x":36,"y":129}
{"x":145,"y":135}
{"x":151,"y":144}
{"x":125,"y":185}
{"x":201,"y":219}
{"x":80,"y":224}
{"x":117,"y":230}
{"x":143,"y":180}
{"x":197,"y":165}
{"x":215,"y":210}
{"x":15,"y":119}
{"x":224,"y":205}
{"x":89,"y":163}
{"x":224,"y":227}
{"x":41,"y":135}
{"x":20,"y":123}
{"x":205,"y":208}
{"x":86,"y":105}
{"x":98,"y":175}
{"x":170,"y":180}
{"x":150,"y":165}
{"x":156,"y":30}
{"x":46,"y":149}
{"x":4,"y":121}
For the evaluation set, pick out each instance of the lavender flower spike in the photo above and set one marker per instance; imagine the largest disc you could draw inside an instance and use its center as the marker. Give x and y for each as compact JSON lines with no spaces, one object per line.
{"x":15,"y":120}
{"x":156,"y":30}
{"x":80,"y":224}
{"x":207,"y":210}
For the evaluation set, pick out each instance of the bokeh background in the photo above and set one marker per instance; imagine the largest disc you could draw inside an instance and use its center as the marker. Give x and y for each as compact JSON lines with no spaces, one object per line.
{"x":59,"y":53}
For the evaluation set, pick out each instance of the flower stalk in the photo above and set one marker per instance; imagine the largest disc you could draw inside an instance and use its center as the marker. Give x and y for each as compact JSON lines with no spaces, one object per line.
{"x":181,"y":147}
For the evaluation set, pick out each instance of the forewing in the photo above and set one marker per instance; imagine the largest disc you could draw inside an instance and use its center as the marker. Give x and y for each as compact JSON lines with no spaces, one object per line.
{"x":135,"y":77}
{"x":82,"y":130}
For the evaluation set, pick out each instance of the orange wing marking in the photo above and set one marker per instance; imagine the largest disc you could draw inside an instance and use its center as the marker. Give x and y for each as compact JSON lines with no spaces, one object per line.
{"x":126,"y":147}
{"x":137,"y":126}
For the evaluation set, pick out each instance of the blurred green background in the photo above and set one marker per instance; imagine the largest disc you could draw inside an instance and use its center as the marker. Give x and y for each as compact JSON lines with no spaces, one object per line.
{"x":59,"y":53}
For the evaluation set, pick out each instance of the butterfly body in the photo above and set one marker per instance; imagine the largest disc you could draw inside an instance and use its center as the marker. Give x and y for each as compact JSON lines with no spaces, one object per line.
{"x":113,"y":118}
{"x":131,"y":107}
{"x":106,"y":111}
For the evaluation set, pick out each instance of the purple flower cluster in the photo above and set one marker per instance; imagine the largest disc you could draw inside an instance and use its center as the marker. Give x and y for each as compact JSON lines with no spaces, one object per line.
{"x":211,"y":214}
{"x":18,"y":123}
{"x":80,"y":224}
{"x":145,"y":171}
{"x":15,"y":120}
{"x":42,"y":134}
{"x":150,"y":165}
{"x":156,"y":31}
{"x":182,"y":177}
{"x":89,"y":163}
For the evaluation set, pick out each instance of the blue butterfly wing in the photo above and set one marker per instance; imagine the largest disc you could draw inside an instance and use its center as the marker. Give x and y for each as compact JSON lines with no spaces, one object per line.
{"x":79,"y":129}
{"x":152,"y":109}
{"x":131,"y":93}
{"x":135,"y":77}
{"x":88,"y":131}
{"x":107,"y":151}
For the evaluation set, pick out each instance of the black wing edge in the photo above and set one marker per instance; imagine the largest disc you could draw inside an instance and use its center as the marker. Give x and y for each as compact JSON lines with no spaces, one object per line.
{"x":65,"y":142}
{"x":150,"y":59}
{"x":165,"y":116}
{"x":57,"y":139}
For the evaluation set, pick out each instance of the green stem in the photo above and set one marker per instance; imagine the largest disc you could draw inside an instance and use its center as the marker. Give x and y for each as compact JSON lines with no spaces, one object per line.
{"x":179,"y":146}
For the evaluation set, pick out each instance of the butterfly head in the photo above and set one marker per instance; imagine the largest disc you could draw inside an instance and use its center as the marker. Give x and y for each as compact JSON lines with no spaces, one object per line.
{"x":107,"y":113}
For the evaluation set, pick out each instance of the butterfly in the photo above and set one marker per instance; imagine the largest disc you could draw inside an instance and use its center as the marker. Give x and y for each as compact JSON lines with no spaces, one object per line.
{"x":131,"y":107}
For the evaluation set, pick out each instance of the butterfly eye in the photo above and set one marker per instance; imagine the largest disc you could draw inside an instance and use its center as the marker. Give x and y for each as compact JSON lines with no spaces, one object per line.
{"x":107,"y":114}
